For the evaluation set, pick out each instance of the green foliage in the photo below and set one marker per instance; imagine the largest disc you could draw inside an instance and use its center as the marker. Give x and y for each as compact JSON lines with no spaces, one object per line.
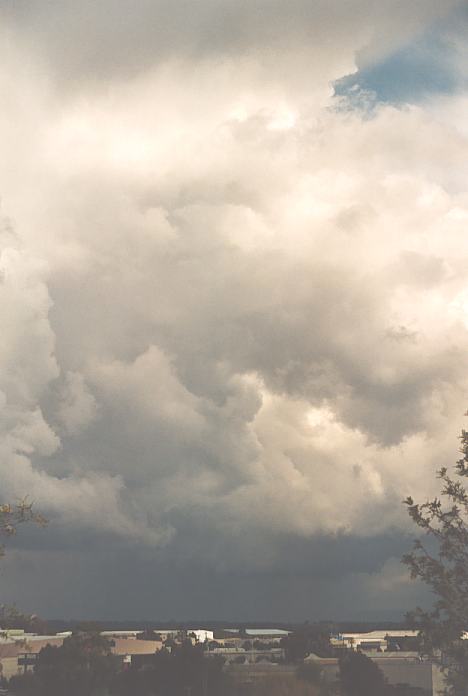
{"x":181,"y":672}
{"x":263,"y":645}
{"x":444,"y":520}
{"x":305,"y":640}
{"x":404,"y":644}
{"x":282,"y":686}
{"x":359,"y":676}
{"x":82,"y":666}
{"x":295,"y":646}
{"x":311,"y":672}
{"x":11,"y":516}
{"x":313,"y":675}
{"x":11,"y":617}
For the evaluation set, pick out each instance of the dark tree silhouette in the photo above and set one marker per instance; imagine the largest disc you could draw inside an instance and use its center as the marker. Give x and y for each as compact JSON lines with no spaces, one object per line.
{"x":359,"y":676}
{"x":82,"y":666}
{"x":444,"y":521}
{"x":184,"y":671}
{"x":305,"y":640}
{"x":11,"y":516}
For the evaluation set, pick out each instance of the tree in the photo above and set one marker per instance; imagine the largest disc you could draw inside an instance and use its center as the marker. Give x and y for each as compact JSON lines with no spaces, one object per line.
{"x":11,"y":516}
{"x":359,"y":676}
{"x":295,"y":646}
{"x":312,"y":673}
{"x":284,"y":686}
{"x":305,"y":640}
{"x":11,"y":617}
{"x":184,"y":671}
{"x":442,"y":564}
{"x":82,"y":666}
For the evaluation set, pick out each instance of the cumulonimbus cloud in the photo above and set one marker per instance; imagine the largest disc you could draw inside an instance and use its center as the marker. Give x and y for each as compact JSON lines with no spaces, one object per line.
{"x":230,"y":297}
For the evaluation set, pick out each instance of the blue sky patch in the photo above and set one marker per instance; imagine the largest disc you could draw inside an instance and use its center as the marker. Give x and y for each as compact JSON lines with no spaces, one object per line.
{"x":409,"y":75}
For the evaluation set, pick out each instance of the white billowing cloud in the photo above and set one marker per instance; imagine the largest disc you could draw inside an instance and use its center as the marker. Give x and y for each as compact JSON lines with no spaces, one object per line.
{"x":231,"y":303}
{"x":27,"y":352}
{"x":78,"y":407}
{"x":29,"y":370}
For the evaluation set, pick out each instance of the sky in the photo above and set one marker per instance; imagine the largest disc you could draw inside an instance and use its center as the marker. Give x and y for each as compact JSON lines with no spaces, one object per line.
{"x":234,"y":300}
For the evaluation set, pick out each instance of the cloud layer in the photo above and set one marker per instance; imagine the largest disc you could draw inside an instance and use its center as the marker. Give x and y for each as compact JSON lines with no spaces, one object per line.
{"x":234,"y":305}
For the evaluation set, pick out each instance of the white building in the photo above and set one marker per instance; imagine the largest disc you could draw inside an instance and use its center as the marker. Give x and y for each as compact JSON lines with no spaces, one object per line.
{"x":372,"y":640}
{"x":201,"y":635}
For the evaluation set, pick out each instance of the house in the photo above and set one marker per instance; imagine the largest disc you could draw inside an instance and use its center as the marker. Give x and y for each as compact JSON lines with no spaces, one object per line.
{"x":19,"y":654}
{"x":380,"y":641}
{"x":200,"y":634}
{"x":266,"y":635}
{"x":130,"y":648}
{"x":126,"y":635}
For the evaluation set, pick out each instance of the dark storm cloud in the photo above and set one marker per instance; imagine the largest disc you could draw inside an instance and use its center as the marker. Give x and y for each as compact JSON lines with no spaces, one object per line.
{"x":124,"y":583}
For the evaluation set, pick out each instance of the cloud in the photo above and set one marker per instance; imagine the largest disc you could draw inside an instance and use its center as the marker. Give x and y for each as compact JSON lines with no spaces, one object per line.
{"x":95,"y":583}
{"x":234,"y":305}
{"x":77,"y":408}
{"x":111,"y":40}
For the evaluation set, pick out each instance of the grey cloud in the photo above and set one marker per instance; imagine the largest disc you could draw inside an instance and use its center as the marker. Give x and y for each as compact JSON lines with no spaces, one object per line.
{"x":235,"y":316}
{"x":326,"y":334}
{"x":113,"y":38}
{"x":176,"y":342}
{"x":95,"y":583}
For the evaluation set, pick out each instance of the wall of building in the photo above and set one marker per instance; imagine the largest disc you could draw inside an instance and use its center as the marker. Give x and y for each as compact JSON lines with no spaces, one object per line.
{"x":9,"y":666}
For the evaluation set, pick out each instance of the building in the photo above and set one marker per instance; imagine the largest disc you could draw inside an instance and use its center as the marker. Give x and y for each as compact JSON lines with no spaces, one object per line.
{"x":266,"y":635}
{"x":201,"y":635}
{"x":19,"y":654}
{"x":130,"y":648}
{"x":241,"y":655}
{"x":168,"y":633}
{"x":8,"y":659}
{"x":126,"y":635}
{"x":380,"y":641}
